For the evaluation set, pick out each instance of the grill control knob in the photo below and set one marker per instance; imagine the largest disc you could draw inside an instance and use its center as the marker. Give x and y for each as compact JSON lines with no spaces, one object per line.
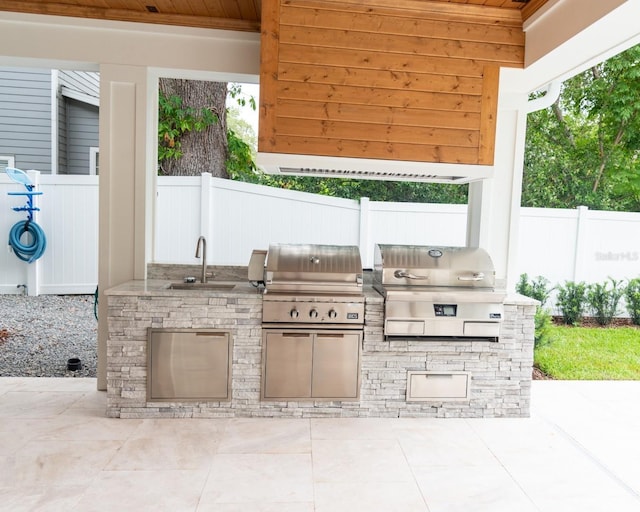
{"x":333,"y":313}
{"x":313,"y":313}
{"x":294,"y":313}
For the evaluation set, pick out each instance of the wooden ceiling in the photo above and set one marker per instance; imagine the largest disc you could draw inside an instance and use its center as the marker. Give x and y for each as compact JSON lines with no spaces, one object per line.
{"x":241,"y":15}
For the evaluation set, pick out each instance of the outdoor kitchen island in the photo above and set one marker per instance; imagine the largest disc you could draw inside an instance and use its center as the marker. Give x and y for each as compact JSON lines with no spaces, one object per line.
{"x":490,"y":378}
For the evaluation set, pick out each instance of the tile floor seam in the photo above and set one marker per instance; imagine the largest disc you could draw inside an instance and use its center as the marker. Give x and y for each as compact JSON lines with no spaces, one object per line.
{"x":506,"y":469}
{"x":313,"y":478}
{"x":413,"y":475}
{"x":586,"y":452}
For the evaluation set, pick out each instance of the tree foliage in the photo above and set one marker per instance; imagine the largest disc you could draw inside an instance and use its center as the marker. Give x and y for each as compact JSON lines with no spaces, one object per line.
{"x":375,"y":190}
{"x":584,"y":149}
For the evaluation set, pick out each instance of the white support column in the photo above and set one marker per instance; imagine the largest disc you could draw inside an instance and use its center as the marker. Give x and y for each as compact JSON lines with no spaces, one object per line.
{"x":364,"y":241}
{"x":126,"y":175}
{"x":34,"y":269}
{"x":494,"y":204}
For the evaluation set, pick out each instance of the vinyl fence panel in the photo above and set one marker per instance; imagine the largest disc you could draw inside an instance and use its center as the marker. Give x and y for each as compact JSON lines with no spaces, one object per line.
{"x":69,"y":217}
{"x":560,"y":245}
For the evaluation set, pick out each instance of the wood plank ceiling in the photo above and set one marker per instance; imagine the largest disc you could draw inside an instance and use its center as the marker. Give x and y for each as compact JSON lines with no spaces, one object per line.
{"x":413,"y":82}
{"x":243,"y":15}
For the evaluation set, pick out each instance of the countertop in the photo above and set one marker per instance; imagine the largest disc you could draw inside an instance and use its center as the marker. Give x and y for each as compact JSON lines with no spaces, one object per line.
{"x":162,"y":287}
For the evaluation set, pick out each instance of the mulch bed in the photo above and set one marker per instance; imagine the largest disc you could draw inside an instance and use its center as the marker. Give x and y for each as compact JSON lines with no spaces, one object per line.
{"x":538,"y":374}
{"x":589,"y":321}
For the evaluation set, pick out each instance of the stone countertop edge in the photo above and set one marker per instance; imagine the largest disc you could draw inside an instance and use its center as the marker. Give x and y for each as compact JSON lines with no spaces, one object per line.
{"x":520,"y":300}
{"x":141,"y":287}
{"x":161,"y":287}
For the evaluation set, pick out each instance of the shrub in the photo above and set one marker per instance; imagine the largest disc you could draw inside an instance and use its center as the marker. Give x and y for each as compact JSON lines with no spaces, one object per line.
{"x":537,"y":289}
{"x":604,"y":300}
{"x":632,"y":297}
{"x":542,"y":334}
{"x":571,"y":298}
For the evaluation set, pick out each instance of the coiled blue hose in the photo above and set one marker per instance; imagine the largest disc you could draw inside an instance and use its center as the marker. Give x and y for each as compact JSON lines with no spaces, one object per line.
{"x":33,"y":251}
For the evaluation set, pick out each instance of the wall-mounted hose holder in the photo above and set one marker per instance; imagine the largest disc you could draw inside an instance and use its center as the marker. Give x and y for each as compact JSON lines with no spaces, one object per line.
{"x":35,"y":241}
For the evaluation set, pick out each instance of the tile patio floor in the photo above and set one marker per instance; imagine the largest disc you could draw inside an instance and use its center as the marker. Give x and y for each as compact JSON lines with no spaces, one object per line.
{"x":579,"y":451}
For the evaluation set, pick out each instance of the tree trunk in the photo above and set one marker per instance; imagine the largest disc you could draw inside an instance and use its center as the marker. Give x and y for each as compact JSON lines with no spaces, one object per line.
{"x":207,"y":150}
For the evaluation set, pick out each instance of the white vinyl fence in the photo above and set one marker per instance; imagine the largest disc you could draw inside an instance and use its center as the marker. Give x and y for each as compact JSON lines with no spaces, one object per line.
{"x":69,"y":217}
{"x":561,"y":245}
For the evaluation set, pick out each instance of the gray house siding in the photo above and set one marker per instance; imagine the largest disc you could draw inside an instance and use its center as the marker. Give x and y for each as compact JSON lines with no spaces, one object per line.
{"x":82,"y":134}
{"x":84,"y":82}
{"x":25,"y":117}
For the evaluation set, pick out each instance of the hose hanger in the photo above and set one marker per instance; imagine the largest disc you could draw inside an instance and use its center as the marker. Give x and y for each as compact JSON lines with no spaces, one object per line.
{"x":36,"y":242}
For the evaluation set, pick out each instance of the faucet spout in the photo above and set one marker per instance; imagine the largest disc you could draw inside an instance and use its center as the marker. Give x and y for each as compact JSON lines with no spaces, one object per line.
{"x":202,"y":242}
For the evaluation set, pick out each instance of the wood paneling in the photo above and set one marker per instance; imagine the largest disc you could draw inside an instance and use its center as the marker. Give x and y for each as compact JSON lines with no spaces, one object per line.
{"x":362,"y":79}
{"x":245,"y":14}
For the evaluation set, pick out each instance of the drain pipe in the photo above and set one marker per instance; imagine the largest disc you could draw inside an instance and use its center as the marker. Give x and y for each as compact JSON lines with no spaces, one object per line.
{"x":552,"y":93}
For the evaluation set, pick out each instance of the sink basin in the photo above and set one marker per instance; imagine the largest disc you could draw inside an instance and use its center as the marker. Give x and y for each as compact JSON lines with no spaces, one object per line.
{"x":213,"y":286}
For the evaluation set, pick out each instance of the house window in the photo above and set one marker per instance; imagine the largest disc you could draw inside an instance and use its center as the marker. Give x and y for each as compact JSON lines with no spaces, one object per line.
{"x":6,"y":161}
{"x":94,"y":161}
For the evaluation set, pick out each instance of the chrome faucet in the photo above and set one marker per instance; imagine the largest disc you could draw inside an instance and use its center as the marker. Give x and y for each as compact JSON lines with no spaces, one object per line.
{"x":202,"y":242}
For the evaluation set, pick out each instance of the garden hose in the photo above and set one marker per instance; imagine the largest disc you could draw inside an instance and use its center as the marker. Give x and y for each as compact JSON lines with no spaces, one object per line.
{"x":27,"y":252}
{"x":95,"y":303}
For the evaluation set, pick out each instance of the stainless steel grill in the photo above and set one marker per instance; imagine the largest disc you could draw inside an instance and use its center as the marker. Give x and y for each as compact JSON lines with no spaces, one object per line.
{"x":438,"y":291}
{"x":313,"y":285}
{"x":312,"y":323}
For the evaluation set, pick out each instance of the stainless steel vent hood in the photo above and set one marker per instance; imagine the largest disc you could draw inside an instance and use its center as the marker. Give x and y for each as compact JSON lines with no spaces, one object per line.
{"x":365,"y":168}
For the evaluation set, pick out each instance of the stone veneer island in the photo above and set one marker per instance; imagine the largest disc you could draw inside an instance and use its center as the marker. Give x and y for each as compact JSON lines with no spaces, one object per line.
{"x":499,"y":373}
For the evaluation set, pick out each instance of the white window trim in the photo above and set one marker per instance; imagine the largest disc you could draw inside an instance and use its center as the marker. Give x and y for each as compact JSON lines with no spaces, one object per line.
{"x":93,"y":160}
{"x":10,"y":161}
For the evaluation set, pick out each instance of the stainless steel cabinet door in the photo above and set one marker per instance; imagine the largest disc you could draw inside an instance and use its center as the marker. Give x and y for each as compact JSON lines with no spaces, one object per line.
{"x":189,"y":365}
{"x":335,"y":365}
{"x":287,"y":365}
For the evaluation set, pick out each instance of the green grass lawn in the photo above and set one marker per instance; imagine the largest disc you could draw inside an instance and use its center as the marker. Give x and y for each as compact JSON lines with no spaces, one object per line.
{"x":582,"y":353}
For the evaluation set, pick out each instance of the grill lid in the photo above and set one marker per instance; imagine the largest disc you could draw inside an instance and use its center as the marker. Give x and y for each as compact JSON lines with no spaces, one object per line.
{"x":313,"y":268}
{"x":430,"y":266}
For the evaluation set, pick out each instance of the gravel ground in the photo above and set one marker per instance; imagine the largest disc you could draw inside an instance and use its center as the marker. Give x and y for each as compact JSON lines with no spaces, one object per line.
{"x":38,"y":335}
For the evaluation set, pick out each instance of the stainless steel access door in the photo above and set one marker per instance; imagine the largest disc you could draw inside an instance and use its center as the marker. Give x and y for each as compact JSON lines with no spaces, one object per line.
{"x":188,"y":364}
{"x":311,"y":364}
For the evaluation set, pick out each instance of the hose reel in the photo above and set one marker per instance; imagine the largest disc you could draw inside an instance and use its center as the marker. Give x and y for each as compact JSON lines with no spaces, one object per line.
{"x":36,"y":241}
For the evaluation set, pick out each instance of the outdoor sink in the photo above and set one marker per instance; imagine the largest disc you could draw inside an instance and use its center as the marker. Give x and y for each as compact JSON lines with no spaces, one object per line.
{"x":212,"y":286}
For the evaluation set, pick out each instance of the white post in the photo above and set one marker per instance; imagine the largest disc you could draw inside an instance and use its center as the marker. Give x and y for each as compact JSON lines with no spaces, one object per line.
{"x":205,"y":210}
{"x":34,"y":268}
{"x":364,"y":236}
{"x":582,"y":236}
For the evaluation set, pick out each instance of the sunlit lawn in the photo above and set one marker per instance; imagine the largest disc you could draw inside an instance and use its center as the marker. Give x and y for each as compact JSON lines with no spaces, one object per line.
{"x":581,"y":353}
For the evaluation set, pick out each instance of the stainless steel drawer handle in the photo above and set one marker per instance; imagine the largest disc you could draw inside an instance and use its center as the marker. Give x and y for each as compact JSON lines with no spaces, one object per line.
{"x":478,"y":276}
